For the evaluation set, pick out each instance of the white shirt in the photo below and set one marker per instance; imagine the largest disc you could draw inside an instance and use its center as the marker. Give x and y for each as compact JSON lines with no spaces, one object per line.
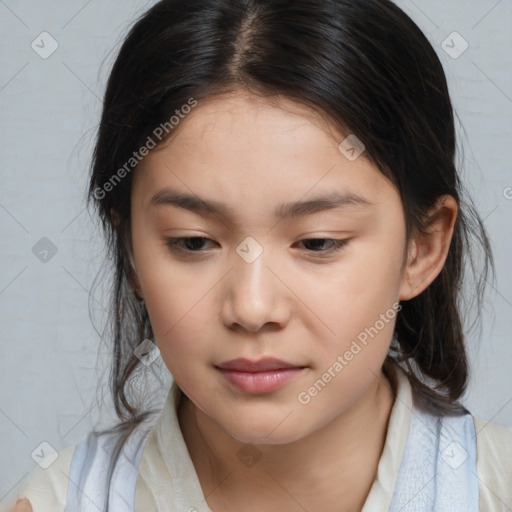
{"x":167,"y":480}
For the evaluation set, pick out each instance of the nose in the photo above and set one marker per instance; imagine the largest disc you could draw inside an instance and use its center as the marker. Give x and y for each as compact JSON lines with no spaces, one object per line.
{"x":255,"y":293}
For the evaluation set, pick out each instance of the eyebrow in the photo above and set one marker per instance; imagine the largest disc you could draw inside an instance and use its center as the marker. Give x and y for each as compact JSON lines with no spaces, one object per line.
{"x":208,"y":207}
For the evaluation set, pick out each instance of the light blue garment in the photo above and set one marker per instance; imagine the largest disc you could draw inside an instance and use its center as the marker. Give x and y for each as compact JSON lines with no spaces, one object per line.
{"x":437,"y":473}
{"x":438,"y":469}
{"x":88,"y":473}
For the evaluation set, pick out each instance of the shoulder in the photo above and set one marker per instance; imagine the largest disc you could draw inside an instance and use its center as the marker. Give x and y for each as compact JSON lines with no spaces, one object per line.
{"x":47,"y":488}
{"x":494,"y":464}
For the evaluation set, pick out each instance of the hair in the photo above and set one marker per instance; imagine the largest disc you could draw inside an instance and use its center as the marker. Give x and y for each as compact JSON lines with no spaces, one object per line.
{"x":362,"y":64}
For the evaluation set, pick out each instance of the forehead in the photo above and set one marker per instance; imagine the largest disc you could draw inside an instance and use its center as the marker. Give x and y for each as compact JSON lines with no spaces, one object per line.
{"x":251,"y":151}
{"x":245,"y":114}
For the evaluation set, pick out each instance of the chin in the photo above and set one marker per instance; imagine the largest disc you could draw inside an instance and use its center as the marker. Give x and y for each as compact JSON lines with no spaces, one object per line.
{"x":265,"y":433}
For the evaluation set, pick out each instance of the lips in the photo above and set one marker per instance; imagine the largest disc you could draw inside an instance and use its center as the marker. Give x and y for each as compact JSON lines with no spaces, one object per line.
{"x":258,"y":377}
{"x":263,"y":365}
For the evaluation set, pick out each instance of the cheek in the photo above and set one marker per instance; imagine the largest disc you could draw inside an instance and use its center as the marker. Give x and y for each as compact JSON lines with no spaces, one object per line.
{"x":362,"y":286}
{"x":177,"y":309}
{"x":358,"y":306}
{"x":361,"y":309}
{"x":181,"y":333}
{"x":174,"y":297}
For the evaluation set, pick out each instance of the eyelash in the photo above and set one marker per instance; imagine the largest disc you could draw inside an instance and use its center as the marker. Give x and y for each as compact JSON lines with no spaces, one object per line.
{"x":174,"y":244}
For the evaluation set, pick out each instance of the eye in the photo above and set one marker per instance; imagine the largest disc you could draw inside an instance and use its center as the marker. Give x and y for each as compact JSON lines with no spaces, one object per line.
{"x":336,"y":245}
{"x":175,"y":244}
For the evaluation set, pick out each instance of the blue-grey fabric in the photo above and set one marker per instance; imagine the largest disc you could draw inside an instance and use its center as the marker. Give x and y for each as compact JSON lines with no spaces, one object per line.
{"x":87,"y":488}
{"x":438,"y":469}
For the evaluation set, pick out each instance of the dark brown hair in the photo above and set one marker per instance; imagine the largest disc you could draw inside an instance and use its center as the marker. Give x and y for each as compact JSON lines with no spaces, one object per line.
{"x":366,"y":66}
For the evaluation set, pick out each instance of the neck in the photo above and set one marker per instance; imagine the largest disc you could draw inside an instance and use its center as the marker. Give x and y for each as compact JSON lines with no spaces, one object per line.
{"x":332,"y":467}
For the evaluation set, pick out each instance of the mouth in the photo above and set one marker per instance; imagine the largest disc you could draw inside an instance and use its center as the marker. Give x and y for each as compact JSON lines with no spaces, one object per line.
{"x":256,"y":377}
{"x":263,"y":365}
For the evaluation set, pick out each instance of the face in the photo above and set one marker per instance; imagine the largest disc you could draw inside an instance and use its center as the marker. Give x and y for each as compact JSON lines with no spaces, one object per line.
{"x":263,"y":279}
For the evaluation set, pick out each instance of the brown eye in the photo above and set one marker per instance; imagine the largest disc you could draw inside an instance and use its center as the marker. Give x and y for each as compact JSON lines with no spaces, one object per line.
{"x":190,"y":244}
{"x":318,"y":243}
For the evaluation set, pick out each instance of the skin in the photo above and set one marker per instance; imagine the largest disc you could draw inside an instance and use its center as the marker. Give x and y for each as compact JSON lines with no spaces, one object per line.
{"x":22,"y":505}
{"x":291,"y":302}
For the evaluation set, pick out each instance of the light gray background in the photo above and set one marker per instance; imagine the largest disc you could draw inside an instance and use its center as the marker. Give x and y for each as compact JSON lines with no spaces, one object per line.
{"x":50,"y":108}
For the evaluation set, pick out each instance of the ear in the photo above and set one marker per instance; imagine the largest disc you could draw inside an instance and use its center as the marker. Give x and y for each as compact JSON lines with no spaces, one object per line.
{"x":115,"y":217}
{"x":133,"y":278}
{"x":428,"y":251}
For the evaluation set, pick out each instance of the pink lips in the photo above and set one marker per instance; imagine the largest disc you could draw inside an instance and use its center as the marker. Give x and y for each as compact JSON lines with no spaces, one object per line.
{"x":261,"y":376}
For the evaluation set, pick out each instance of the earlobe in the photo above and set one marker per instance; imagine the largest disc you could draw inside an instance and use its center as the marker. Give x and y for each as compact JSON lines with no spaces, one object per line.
{"x":406,"y":285}
{"x":133,"y":279}
{"x":429,"y":250}
{"x":133,"y":275}
{"x":115,"y":217}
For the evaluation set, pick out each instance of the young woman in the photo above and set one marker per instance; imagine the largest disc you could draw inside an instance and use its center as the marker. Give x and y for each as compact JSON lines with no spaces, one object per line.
{"x":277,"y":185}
